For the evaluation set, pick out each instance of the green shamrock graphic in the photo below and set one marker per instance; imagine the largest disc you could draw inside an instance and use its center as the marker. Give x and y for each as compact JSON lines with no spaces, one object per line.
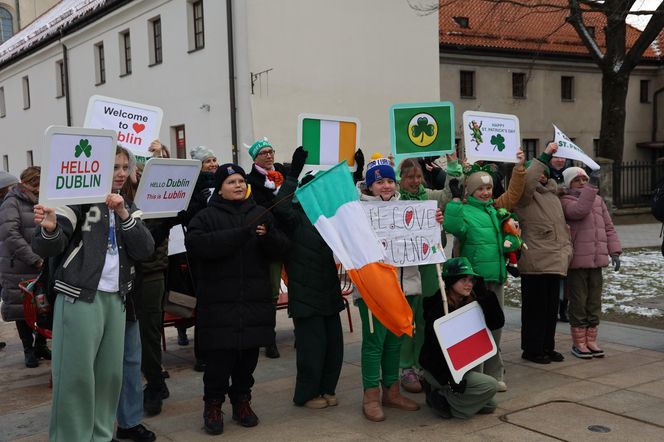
{"x":498,"y":141}
{"x":83,"y":146}
{"x":423,"y":128}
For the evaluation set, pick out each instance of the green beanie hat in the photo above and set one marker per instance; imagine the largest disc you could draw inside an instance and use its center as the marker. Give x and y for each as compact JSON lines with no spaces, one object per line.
{"x":255,"y":148}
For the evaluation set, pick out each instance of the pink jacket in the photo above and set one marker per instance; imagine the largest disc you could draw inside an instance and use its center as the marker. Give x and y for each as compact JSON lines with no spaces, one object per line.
{"x":593,"y":236}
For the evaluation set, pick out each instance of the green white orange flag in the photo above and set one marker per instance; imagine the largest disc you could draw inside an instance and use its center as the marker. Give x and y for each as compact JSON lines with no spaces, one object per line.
{"x":332,"y":204}
{"x":328,"y":139}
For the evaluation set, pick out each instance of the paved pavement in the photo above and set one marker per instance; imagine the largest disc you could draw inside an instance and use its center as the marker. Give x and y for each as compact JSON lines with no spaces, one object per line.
{"x":620,"y":397}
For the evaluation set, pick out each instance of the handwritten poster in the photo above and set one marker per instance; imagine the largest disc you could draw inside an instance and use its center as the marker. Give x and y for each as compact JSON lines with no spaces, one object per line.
{"x":491,"y":137}
{"x":407,"y":230}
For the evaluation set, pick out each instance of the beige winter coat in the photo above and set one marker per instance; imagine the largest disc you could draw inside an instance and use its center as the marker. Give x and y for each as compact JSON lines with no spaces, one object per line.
{"x":543,"y":226}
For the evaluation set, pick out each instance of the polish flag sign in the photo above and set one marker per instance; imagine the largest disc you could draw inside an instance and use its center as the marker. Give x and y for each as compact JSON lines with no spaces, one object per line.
{"x":465,"y":339}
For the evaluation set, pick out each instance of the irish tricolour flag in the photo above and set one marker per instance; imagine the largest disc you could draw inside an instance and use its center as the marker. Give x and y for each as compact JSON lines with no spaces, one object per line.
{"x":328,"y":139}
{"x":332,"y":204}
{"x":465,"y":339}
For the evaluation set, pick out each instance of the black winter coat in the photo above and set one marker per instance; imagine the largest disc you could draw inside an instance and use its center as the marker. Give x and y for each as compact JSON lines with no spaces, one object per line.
{"x":431,"y":355}
{"x":230,"y":270}
{"x":262,"y":195}
{"x":313,"y":281}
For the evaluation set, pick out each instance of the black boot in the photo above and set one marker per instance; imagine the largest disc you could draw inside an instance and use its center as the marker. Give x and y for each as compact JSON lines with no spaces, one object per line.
{"x":153,"y":396}
{"x":242,"y":412}
{"x":213,"y":418}
{"x":30,"y":358}
{"x":562,"y":311}
{"x":42,"y":352}
{"x":272,"y":352}
{"x":2,"y":345}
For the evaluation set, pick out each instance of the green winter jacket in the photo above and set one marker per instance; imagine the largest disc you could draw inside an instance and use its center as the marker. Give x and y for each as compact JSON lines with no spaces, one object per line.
{"x":313,"y":281}
{"x":477,"y":228}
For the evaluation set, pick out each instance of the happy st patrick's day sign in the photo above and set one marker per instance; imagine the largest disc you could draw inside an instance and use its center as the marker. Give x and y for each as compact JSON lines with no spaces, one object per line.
{"x":137,"y":124}
{"x":490,"y":136}
{"x":407,"y":230}
{"x":77,"y":165}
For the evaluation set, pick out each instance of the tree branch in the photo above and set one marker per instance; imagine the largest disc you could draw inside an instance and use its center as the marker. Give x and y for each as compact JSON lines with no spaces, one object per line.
{"x":649,"y":34}
{"x":576,"y":20}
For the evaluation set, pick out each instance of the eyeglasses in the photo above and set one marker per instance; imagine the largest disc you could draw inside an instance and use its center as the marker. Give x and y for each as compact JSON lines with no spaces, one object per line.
{"x":265,"y":153}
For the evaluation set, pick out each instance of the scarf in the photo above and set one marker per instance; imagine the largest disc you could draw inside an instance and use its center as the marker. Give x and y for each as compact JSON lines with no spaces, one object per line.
{"x":420,"y":194}
{"x":273,"y":179}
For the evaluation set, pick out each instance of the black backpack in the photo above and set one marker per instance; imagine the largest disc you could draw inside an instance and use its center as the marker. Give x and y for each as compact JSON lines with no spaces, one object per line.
{"x":657,"y":203}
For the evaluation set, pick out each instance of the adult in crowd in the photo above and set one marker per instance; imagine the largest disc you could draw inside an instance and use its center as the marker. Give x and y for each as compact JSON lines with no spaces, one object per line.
{"x":18,"y":262}
{"x":100,"y":243}
{"x":476,"y":392}
{"x":596,"y":244}
{"x":314,"y":298}
{"x":230,"y":244}
{"x":7,"y":181}
{"x":265,"y":179}
{"x":543,"y":263}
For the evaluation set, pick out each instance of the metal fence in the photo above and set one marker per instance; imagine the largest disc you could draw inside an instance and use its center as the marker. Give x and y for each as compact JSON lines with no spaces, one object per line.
{"x":634,"y":181}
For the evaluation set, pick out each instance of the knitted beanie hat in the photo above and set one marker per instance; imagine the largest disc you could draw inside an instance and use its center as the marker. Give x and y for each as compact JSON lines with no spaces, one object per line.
{"x":202,"y":153}
{"x":7,"y":179}
{"x":224,"y":171}
{"x":475,"y":180}
{"x":572,"y":172}
{"x":255,"y":148}
{"x":378,"y":169}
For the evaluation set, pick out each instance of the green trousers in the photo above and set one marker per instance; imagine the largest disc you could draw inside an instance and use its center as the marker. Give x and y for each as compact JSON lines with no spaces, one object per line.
{"x":320,"y":355}
{"x":411,"y":345}
{"x":585,"y":296}
{"x":88,"y":346}
{"x":480,"y":393}
{"x":149,"y":320}
{"x":380,"y":351}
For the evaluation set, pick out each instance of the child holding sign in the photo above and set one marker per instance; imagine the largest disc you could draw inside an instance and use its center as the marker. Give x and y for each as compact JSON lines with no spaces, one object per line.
{"x":476,"y":392}
{"x":92,"y":282}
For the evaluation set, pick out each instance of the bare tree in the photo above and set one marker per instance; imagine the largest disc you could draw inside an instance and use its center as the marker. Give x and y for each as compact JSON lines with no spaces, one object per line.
{"x":615,"y":61}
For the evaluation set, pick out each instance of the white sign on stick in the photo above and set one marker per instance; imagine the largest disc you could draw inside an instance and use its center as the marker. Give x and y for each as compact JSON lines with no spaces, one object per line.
{"x":491,"y":137}
{"x":465,"y":339}
{"x":407,"y":230}
{"x":137,"y":124}
{"x":166,"y":186}
{"x":567,"y":149}
{"x":77,"y":165}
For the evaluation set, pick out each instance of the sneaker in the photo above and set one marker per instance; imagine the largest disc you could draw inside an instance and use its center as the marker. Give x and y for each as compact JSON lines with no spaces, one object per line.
{"x":581,"y":354}
{"x":153,"y":395}
{"x":272,"y":352}
{"x":43,"y":353}
{"x":243,"y":414}
{"x":437,"y":402}
{"x":316,"y":403}
{"x":183,"y":339}
{"x":331,"y":400}
{"x":410,"y":381}
{"x":138,"y":434}
{"x":538,"y":359}
{"x":555,"y":356}
{"x":213,"y":417}
{"x":30,"y":358}
{"x":502,"y":387}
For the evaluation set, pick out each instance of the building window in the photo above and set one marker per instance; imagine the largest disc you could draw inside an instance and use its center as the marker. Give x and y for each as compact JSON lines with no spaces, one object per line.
{"x":30,"y":158}
{"x":530,"y":148}
{"x":100,"y":64}
{"x":125,"y":54}
{"x":6,"y":25}
{"x":467,"y":86}
{"x":591,"y":31}
{"x":645,"y":91}
{"x":566,"y":88}
{"x":154,"y":30}
{"x":196,"y":25}
{"x":5,"y":163}
{"x":463,"y":22}
{"x":59,"y":79}
{"x":518,"y":85}
{"x":3,"y":109}
{"x":26,"y":92}
{"x":180,"y":141}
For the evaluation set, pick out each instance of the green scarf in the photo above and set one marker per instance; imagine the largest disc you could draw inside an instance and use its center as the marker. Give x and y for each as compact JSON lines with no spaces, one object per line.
{"x":420,"y":194}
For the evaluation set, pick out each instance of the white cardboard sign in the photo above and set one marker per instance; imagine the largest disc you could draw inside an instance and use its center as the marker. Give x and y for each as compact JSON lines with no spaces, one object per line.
{"x":137,"y":124}
{"x":77,"y":166}
{"x":491,"y":137}
{"x":567,"y":149}
{"x":166,"y":186}
{"x":465,"y":339}
{"x":407,"y":230}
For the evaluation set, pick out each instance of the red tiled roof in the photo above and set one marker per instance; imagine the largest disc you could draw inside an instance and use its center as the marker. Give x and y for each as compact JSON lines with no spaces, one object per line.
{"x":541,"y":29}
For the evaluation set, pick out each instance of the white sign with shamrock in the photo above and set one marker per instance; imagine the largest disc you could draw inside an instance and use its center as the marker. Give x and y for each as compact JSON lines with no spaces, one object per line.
{"x":567,"y":149}
{"x":77,"y":166}
{"x":491,"y":137}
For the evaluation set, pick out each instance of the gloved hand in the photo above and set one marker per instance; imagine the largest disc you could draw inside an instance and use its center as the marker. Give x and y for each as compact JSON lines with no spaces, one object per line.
{"x":456,"y":189}
{"x":359,"y":162}
{"x":615,"y":262}
{"x":458,"y":388}
{"x":594,"y":178}
{"x":297,"y":163}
